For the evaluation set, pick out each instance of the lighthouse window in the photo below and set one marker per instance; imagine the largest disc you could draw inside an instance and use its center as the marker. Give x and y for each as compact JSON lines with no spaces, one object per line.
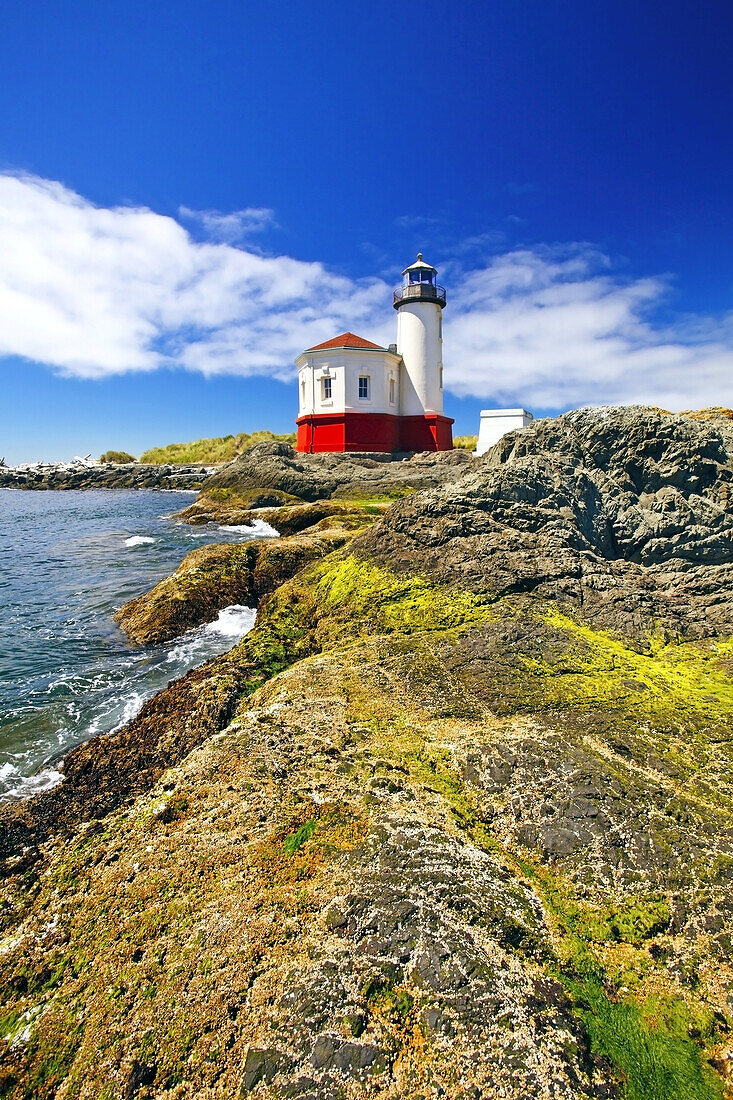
{"x":326,"y":386}
{"x":364,"y":388}
{"x":391,"y":391}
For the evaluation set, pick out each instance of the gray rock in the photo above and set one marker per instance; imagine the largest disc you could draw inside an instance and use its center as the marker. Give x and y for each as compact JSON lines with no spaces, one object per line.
{"x":278,"y":467}
{"x":108,"y":476}
{"x":623,"y":512}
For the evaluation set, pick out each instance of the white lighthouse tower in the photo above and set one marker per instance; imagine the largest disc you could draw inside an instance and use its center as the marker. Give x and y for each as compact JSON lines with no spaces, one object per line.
{"x":419,"y":303}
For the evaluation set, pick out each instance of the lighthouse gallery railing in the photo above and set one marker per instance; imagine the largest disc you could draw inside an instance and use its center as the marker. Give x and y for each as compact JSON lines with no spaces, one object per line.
{"x":428,"y":291}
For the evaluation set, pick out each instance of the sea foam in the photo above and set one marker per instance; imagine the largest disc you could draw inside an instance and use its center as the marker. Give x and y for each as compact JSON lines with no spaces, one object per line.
{"x":138,"y":540}
{"x":233,"y":622}
{"x":259,"y":529}
{"x":14,"y":785}
{"x":201,"y":643}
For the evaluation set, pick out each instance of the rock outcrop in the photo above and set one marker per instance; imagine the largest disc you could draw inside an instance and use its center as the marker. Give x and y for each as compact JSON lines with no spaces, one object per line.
{"x":432,"y":829}
{"x":271,"y":475}
{"x":134,"y":475}
{"x":214,"y":577}
{"x":279,"y":467}
{"x":625,"y":515}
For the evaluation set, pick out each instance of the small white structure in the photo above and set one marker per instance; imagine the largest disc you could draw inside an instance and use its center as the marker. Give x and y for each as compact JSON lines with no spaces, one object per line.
{"x":497,"y":422}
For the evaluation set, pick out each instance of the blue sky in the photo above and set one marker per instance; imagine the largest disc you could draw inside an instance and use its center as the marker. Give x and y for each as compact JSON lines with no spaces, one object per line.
{"x":191,"y":193}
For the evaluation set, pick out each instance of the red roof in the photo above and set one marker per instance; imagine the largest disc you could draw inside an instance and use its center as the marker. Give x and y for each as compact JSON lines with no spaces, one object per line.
{"x":347,"y":340}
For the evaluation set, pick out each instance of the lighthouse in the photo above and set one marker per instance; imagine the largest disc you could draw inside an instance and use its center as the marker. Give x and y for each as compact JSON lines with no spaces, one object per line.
{"x":355,"y":395}
{"x":420,"y":302}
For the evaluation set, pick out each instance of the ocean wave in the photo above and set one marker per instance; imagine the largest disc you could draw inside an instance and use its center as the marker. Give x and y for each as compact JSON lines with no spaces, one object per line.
{"x":198,"y":645}
{"x":233,"y":622}
{"x":15,"y":785}
{"x":116,"y":713}
{"x":138,"y":540}
{"x":258,"y":529}
{"x":71,"y":675}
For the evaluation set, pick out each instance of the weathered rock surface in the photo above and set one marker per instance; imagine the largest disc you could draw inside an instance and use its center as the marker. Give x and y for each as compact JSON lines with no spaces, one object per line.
{"x":624,"y":514}
{"x":279,"y":467}
{"x":426,"y":831}
{"x":134,"y":475}
{"x":270,"y":475}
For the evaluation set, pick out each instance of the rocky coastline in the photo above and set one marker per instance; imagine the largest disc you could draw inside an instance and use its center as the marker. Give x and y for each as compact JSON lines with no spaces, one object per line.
{"x":83,"y":475}
{"x":454,"y":820}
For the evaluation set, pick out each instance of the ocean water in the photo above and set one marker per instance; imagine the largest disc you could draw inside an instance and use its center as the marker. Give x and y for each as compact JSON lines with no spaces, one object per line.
{"x":68,"y":560}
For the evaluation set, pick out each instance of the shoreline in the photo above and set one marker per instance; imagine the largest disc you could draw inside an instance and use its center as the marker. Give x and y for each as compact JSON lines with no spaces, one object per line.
{"x":66,"y":476}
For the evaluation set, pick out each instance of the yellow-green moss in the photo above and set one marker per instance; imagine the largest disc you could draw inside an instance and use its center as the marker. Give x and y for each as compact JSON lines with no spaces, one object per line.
{"x":655,"y":1042}
{"x":600,"y":670}
{"x":380,"y":601}
{"x":647,"y":1038}
{"x":656,"y":1056}
{"x":300,"y":836}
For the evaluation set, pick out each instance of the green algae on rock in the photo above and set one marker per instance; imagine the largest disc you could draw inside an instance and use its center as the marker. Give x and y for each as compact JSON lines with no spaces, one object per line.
{"x":288,"y":514}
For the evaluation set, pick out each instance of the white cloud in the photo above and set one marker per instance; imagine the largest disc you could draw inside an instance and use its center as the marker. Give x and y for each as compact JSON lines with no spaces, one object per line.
{"x":91,"y":292}
{"x":94,"y":291}
{"x":553,"y":330}
{"x":233,"y":227}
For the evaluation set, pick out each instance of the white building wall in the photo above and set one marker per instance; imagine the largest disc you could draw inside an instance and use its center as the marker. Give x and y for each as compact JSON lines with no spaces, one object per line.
{"x":420,"y":343}
{"x":345,"y":368}
{"x":497,"y":422}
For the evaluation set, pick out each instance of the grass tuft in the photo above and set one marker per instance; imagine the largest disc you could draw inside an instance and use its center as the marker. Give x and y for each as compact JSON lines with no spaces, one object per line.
{"x":212,"y":451}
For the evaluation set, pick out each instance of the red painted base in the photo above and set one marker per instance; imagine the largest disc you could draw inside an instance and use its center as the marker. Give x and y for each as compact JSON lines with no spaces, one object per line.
{"x":323,"y":432}
{"x":430,"y":432}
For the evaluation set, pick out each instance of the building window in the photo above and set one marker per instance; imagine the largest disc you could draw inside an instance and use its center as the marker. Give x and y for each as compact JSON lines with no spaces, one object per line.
{"x":391,"y":391}
{"x":326,"y":388}
{"x":440,"y":376}
{"x":302,"y":392}
{"x":364,"y":387}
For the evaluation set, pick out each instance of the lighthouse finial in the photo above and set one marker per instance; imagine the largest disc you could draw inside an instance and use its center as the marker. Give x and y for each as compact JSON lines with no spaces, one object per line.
{"x":419,"y":255}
